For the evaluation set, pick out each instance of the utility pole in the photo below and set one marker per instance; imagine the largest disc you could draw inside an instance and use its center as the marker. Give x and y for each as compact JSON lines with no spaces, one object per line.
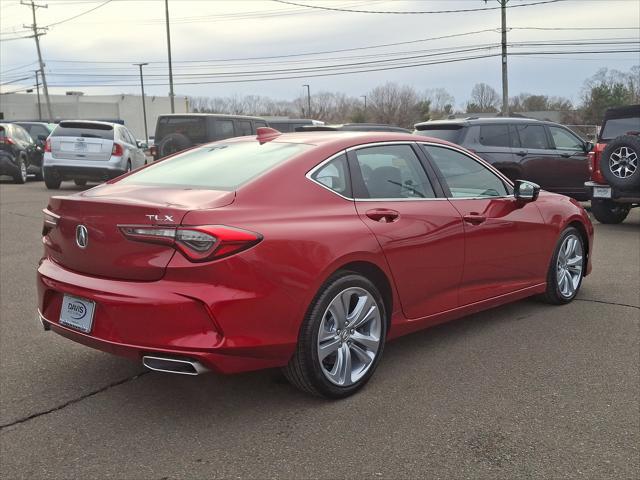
{"x":37,"y":35}
{"x":38,"y":92}
{"x":364,"y":112}
{"x":171,"y":94}
{"x":505,"y":78}
{"x":144,"y":107}
{"x":308,"y":100}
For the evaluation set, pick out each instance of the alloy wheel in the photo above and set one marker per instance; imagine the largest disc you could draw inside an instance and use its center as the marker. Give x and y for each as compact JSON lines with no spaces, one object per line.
{"x":349,"y":336}
{"x":623,"y":162}
{"x":569,"y":266}
{"x":23,"y":171}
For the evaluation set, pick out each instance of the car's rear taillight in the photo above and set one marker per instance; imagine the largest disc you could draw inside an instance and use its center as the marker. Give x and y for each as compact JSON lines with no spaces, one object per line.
{"x":47,"y":145}
{"x":594,"y":162}
{"x":197,"y":243}
{"x":50,"y":221}
{"x":7,"y":141}
{"x":117,"y":150}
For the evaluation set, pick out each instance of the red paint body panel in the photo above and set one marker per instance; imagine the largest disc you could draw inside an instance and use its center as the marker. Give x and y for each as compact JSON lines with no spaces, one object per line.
{"x":244,"y":312}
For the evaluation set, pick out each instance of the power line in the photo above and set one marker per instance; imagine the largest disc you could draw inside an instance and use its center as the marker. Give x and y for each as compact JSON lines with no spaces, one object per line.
{"x":414,"y":12}
{"x":80,"y":14}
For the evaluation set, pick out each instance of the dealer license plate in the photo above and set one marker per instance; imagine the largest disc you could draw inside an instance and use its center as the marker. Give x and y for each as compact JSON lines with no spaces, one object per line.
{"x":77,"y":313}
{"x":602,"y":192}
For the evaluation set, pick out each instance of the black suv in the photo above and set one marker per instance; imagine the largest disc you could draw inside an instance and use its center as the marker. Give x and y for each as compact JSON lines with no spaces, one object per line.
{"x":180,"y":131}
{"x":546,"y":153}
{"x":39,"y":131}
{"x":17,"y":148}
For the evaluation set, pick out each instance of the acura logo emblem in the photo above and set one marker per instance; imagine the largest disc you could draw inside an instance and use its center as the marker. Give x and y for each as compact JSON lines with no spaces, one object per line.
{"x":82,"y":236}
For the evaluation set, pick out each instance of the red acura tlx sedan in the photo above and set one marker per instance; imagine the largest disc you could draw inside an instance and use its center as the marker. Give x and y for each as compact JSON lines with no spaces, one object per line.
{"x":306,"y":251}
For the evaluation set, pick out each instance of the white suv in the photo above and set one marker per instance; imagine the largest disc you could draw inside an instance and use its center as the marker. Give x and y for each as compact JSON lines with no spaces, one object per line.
{"x":82,"y":150}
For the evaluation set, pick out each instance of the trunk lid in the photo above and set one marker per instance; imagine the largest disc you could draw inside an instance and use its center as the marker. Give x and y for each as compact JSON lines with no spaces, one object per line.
{"x":82,"y":141}
{"x":101,"y":210}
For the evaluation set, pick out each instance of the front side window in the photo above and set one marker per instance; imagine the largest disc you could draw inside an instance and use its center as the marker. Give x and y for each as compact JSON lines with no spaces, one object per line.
{"x":532,"y":136}
{"x":390,"y":171}
{"x":216,"y":167}
{"x":465,"y":177}
{"x":335,"y":176}
{"x":244,"y":128}
{"x":564,"y":140}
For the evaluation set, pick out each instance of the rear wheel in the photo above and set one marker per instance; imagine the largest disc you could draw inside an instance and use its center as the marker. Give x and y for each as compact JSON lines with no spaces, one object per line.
{"x":607,"y":211}
{"x":52,"y":180}
{"x":341,"y":339}
{"x":564,"y":277}
{"x":21,"y":174}
{"x":79,"y":182}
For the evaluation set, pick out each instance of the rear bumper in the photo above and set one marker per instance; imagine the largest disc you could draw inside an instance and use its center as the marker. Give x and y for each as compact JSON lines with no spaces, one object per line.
{"x":84,"y":169}
{"x":617,"y":195}
{"x":134,"y":319}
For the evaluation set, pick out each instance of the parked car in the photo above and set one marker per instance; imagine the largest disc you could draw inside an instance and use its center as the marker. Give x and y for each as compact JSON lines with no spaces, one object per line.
{"x":286,"y":125}
{"x":615,"y":165}
{"x":83,"y":150}
{"x":17,"y":149}
{"x":39,"y":131}
{"x":177,"y":132}
{"x":353,"y":127}
{"x":546,"y":153}
{"x":309,"y":257}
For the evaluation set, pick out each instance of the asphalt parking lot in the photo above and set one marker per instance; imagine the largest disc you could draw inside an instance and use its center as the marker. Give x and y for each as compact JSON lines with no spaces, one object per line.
{"x":522,"y":391}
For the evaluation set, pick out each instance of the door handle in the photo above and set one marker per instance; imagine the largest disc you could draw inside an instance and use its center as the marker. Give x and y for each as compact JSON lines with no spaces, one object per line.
{"x":474,"y":218}
{"x":383,"y":215}
{"x":521,"y":153}
{"x":565,"y":155}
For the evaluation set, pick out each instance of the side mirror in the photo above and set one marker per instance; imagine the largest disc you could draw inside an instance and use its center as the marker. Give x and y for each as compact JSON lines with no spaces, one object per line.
{"x":526,"y":191}
{"x":142,"y":145}
{"x":588,"y":146}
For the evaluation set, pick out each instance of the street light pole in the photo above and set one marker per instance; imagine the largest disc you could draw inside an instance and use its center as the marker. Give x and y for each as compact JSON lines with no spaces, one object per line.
{"x":308,"y":100}
{"x":144,"y":107}
{"x":171,"y":94}
{"x":38,"y":92}
{"x":364,"y":111}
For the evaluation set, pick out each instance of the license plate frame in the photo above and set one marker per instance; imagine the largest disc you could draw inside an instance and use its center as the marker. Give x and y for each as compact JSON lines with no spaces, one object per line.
{"x":601,"y":192}
{"x":77,"y":313}
{"x":80,"y":147}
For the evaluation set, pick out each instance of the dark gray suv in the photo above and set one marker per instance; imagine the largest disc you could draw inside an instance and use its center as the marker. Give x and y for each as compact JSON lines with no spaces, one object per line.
{"x":546,"y":153}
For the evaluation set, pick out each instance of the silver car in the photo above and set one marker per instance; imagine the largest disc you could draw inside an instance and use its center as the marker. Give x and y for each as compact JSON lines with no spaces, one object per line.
{"x":82,"y":150}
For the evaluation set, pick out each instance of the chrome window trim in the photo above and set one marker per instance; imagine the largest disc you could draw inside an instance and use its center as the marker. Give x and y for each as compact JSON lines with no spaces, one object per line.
{"x":404,"y":142}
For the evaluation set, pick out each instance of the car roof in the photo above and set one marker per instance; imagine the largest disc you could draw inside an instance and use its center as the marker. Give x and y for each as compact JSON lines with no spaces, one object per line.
{"x":477,"y":121}
{"x":216,"y":115}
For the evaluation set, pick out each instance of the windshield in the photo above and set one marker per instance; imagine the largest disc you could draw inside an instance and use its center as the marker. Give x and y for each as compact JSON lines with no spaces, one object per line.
{"x":619,"y":126}
{"x":450,"y":133}
{"x":216,"y":167}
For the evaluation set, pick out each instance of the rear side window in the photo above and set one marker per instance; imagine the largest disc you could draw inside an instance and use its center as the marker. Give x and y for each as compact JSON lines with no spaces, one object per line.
{"x":260,"y":124}
{"x":532,"y":136}
{"x":37,"y":131}
{"x":450,"y":133}
{"x":390,"y":171}
{"x":244,"y":128}
{"x":465,"y":177}
{"x":619,"y":126}
{"x":224,"y":129}
{"x":194,"y":128}
{"x":83,"y":130}
{"x":217,"y":167}
{"x":335,"y":176}
{"x":495,"y":135}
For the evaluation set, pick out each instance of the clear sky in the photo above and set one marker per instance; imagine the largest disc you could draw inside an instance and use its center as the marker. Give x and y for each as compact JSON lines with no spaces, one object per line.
{"x":212,"y":41}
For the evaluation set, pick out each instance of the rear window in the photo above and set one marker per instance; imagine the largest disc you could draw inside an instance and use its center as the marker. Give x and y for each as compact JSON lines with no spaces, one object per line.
{"x":216,"y":167}
{"x":495,"y":135}
{"x":84,"y":130}
{"x":450,"y":133}
{"x":619,"y":126}
{"x":195,"y":128}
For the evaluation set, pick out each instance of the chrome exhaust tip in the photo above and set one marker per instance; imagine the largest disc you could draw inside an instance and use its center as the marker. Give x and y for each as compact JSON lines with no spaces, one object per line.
{"x":181,"y":366}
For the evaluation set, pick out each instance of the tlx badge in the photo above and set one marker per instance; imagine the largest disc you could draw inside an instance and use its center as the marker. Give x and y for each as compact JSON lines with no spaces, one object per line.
{"x":158,"y":218}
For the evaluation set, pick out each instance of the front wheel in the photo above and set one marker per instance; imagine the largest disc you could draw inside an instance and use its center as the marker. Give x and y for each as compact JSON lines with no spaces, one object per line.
{"x":566,"y":271}
{"x":341,"y":339}
{"x":607,"y":211}
{"x":80,"y":182}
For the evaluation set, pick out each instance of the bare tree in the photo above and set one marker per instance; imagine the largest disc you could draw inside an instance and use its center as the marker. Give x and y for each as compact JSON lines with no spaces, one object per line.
{"x":440,"y":102}
{"x":393,"y":104}
{"x":484,"y":99}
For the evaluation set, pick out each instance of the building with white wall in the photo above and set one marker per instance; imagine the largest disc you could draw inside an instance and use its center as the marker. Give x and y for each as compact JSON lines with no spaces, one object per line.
{"x":77,"y":106}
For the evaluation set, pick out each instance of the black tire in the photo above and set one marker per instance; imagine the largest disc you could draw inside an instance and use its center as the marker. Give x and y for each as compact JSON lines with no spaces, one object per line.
{"x":21,"y":176}
{"x":128,"y":167}
{"x":52,"y":180}
{"x":173,"y":143}
{"x":80,"y":182}
{"x":620,"y":162}
{"x":304,"y":370}
{"x":553,"y":294}
{"x":607,"y":211}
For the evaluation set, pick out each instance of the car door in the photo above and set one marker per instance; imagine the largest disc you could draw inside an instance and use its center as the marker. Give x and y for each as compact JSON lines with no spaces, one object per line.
{"x":572,"y":165}
{"x":503,"y":251}
{"x":420,"y":234}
